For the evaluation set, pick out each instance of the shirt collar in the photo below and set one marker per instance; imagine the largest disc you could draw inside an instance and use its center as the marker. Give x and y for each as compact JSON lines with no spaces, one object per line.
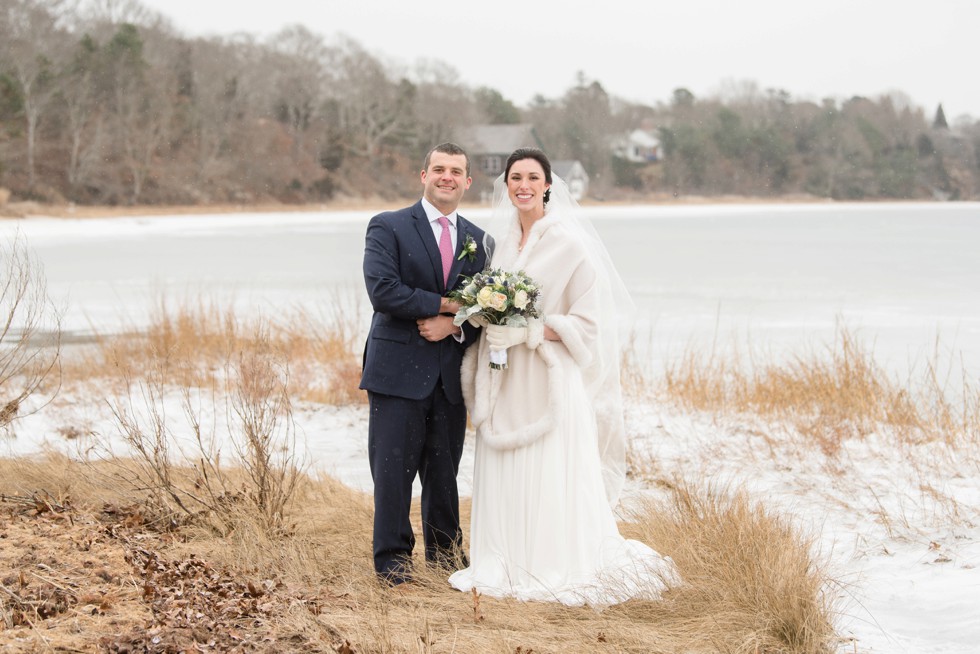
{"x":434,"y":214}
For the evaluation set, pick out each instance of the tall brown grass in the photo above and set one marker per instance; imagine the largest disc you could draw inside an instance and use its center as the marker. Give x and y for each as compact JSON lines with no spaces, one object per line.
{"x":828,"y":397}
{"x":750,"y":583}
{"x":205,"y":355}
{"x":195,"y":342}
{"x":323,"y":345}
{"x":748,"y":572}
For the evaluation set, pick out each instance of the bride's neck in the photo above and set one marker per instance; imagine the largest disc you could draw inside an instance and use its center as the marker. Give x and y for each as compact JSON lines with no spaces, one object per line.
{"x":527,"y":221}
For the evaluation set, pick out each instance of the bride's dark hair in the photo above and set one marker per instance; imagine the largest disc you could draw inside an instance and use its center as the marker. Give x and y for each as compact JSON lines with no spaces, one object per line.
{"x":531,"y":153}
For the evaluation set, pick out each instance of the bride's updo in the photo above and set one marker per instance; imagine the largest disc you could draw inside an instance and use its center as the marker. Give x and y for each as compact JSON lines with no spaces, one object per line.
{"x":531,"y":153}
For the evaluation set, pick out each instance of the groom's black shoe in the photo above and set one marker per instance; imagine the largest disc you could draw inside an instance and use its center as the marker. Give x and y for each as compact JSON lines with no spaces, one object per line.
{"x":396,"y":572}
{"x":396,"y":581}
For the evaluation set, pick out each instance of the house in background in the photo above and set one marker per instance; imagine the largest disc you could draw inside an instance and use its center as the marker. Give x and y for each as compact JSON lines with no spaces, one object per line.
{"x":490,"y":145}
{"x":574,"y":175}
{"x":639,"y":146}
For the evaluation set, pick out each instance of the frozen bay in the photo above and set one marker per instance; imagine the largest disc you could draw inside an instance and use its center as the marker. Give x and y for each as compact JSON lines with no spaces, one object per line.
{"x":780,"y":277}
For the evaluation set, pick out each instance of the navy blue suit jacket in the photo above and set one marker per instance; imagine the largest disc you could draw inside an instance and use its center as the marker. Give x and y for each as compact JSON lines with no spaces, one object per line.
{"x":403,"y":275}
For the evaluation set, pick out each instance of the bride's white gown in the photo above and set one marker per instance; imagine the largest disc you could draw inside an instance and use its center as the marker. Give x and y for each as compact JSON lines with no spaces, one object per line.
{"x":542,"y":527}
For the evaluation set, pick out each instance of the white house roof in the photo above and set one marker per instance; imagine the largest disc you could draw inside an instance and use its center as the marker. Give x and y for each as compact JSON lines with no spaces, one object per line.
{"x":566,"y":169}
{"x":643,"y":138}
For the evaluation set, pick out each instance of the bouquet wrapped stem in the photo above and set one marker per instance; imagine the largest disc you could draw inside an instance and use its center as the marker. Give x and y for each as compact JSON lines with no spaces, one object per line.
{"x":497,"y":297}
{"x":498,"y":359}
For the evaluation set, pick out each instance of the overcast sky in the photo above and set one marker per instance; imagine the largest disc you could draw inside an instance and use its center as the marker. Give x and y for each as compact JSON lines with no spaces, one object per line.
{"x":642,"y":50}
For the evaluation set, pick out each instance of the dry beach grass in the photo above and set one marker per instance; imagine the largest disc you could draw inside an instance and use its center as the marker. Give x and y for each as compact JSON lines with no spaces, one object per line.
{"x":837,"y":410}
{"x":193,"y":343}
{"x":251,"y":550}
{"x":152,"y":553}
{"x":90,"y":570}
{"x":830,"y":396}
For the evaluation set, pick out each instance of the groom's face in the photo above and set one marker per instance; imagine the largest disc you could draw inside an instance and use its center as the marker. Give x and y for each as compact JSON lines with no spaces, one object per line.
{"x":445,"y":180}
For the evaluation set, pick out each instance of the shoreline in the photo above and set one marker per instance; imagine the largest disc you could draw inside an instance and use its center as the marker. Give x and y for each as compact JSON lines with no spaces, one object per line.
{"x":26,"y":210}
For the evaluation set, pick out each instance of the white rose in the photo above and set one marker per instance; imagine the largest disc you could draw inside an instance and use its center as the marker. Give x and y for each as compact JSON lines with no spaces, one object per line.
{"x":520,"y":299}
{"x":483,"y":297}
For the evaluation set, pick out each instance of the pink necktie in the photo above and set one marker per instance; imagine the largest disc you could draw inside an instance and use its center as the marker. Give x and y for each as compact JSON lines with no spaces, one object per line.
{"x":446,"y":250}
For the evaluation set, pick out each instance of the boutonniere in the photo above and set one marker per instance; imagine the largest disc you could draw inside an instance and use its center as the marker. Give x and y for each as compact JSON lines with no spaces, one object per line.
{"x":469,"y":250}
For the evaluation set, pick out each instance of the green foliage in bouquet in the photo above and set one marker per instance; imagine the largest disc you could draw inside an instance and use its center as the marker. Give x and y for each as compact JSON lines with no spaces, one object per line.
{"x":499,"y":297}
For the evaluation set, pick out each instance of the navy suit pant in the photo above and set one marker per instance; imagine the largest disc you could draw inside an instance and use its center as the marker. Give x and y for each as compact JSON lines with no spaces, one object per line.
{"x":408,"y":438}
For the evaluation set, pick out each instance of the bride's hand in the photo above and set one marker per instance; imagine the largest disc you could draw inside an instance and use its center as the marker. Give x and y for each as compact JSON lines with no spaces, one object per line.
{"x":501,"y":337}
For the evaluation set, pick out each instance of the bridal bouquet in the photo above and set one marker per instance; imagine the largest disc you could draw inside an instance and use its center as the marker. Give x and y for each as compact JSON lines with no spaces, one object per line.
{"x":499,"y":298}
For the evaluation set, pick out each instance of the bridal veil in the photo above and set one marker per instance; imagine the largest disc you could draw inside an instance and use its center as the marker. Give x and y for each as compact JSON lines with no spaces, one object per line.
{"x":614,"y":319}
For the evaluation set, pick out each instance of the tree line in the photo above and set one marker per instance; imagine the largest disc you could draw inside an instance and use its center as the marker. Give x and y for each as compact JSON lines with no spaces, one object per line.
{"x":104,"y":102}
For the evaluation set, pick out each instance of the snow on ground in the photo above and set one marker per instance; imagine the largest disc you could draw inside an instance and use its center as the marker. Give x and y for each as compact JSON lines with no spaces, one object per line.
{"x":899,"y":524}
{"x":908,"y":568}
{"x":899,"y":527}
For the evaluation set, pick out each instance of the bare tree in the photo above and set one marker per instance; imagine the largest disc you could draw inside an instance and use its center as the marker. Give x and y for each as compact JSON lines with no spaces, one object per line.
{"x":373,"y":107}
{"x":141,"y":100}
{"x":30,"y":47}
{"x":30,"y":332}
{"x":118,"y":12}
{"x":440,"y":108}
{"x":145,"y":114}
{"x":217,"y":104}
{"x":301,"y":59}
{"x":84,"y":124}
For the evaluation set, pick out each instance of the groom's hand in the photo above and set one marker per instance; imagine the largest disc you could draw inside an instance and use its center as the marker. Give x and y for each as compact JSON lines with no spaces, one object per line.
{"x":449,"y":306}
{"x":437,"y":328}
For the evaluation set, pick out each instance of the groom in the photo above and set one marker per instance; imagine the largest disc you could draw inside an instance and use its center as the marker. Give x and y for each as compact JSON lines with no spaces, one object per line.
{"x":412,"y":258}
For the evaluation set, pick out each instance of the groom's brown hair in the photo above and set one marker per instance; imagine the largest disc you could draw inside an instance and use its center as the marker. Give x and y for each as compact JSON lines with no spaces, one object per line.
{"x":447,"y":148}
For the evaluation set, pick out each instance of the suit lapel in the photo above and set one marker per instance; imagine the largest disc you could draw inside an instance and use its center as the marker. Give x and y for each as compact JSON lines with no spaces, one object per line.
{"x":428,"y":240}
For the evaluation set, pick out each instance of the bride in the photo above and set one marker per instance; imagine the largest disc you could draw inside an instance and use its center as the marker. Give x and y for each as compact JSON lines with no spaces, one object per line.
{"x":550,"y":450}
